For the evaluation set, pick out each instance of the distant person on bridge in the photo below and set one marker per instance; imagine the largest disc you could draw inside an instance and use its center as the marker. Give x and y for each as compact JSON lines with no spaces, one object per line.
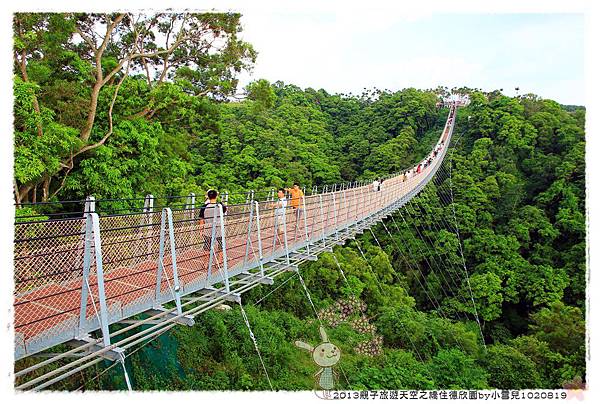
{"x":296,"y":198}
{"x":375,"y":185}
{"x":208,"y":212}
{"x":280,"y":211}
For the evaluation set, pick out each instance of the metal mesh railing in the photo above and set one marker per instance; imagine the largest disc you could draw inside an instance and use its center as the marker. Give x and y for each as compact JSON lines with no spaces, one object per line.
{"x":138,"y":252}
{"x":47,"y":261}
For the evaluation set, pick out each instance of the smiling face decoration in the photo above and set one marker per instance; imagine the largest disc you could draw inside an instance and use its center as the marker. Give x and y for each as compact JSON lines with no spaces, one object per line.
{"x":326,"y":354}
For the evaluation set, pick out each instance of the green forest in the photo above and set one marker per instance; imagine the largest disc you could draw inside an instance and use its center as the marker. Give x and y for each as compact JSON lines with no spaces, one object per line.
{"x":498,"y":304}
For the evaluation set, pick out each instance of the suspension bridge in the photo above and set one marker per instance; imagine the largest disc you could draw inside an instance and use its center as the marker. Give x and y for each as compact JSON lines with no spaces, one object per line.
{"x":151,"y":270}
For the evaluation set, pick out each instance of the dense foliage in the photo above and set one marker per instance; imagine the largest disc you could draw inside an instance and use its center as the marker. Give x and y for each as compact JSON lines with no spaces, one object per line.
{"x":404,"y":318}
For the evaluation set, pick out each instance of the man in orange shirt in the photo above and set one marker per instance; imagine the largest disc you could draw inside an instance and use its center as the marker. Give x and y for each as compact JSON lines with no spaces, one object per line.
{"x":296,"y":200}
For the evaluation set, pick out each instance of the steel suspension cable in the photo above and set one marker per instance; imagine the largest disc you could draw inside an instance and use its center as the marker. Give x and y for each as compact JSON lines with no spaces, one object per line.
{"x":369,"y":265}
{"x":450,"y":273}
{"x":441,"y":312}
{"x":421,"y":252}
{"x":410,"y":266}
{"x":115,"y":363}
{"x":410,"y":203}
{"x":317,"y":315}
{"x":427,"y":259}
{"x":412,"y":211}
{"x":463,"y":256}
{"x":403,"y":326}
{"x":455,"y":229}
{"x":253,"y":338}
{"x":439,"y":228}
{"x":341,"y":270}
{"x":275,"y":289}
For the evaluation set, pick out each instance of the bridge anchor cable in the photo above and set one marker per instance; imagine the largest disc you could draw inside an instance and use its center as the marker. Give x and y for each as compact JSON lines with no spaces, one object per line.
{"x":253,"y":338}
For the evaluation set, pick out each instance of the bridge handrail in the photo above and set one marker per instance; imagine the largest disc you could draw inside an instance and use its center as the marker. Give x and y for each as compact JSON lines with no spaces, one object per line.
{"x":73,"y":276}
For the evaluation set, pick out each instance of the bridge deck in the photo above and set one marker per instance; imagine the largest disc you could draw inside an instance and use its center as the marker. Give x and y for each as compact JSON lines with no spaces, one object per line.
{"x":50,"y":256}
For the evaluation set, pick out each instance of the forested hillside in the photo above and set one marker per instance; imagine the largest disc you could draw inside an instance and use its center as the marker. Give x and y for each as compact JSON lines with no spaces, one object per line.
{"x":404,"y":317}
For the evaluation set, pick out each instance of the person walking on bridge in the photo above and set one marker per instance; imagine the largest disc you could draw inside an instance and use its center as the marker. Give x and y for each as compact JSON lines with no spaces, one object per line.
{"x":280,"y":212}
{"x":296,"y":202}
{"x":375,"y":185}
{"x":208,"y":213}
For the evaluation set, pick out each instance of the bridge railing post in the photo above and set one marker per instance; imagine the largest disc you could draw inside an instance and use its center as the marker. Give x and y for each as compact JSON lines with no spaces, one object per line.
{"x":147,"y":219}
{"x":323,"y":220}
{"x":87,"y":252}
{"x":160,"y":262}
{"x":213,"y":240}
{"x":366,"y":193}
{"x":260,"y":250}
{"x":314,"y":235}
{"x":190,"y":207}
{"x":100,"y":279}
{"x":305,"y":222}
{"x":285,"y":237}
{"x":223,"y":247}
{"x":353,"y":211}
{"x":176,"y":283}
{"x":341,"y":207}
{"x":167,"y":229}
{"x":249,"y":235}
{"x":190,"y":204}
{"x":346,"y":208}
{"x":92,"y":236}
{"x":88,"y":207}
{"x":335,"y":215}
{"x":354,"y":205}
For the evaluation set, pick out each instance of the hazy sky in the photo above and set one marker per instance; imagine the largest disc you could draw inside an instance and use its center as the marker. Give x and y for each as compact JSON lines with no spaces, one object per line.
{"x":343,"y":52}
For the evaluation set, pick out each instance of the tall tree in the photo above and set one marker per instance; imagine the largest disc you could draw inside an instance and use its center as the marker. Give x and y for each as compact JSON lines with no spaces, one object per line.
{"x":87,"y":57}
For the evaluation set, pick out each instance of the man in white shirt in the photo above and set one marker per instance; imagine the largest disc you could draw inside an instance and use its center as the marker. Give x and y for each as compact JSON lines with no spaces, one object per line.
{"x":375,"y":185}
{"x":280,"y":211}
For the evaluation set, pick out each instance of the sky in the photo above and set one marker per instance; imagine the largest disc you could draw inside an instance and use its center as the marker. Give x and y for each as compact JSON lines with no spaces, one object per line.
{"x":541,"y":53}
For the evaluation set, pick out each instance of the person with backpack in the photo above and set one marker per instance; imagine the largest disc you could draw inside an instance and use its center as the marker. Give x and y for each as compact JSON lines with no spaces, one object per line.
{"x":208,"y":213}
